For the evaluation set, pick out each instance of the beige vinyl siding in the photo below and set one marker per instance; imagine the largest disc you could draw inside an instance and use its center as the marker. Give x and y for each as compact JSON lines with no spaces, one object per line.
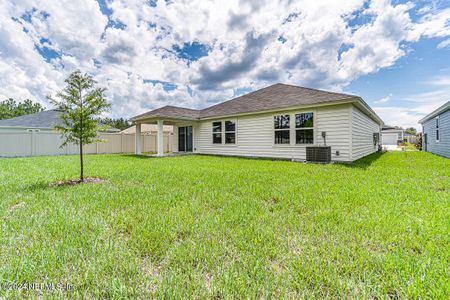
{"x":255,"y":135}
{"x":335,"y":121}
{"x":363,"y":128}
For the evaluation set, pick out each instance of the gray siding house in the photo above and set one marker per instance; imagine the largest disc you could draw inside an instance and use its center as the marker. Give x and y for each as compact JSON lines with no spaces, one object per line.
{"x":436,"y":131}
{"x":278,"y":121}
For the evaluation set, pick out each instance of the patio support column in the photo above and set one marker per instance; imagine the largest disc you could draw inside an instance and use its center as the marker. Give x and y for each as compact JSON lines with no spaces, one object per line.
{"x":160,"y":139}
{"x":137,"y":147}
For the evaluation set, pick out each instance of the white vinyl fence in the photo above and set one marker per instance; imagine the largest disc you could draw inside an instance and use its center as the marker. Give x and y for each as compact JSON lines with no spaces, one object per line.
{"x":47,"y":143}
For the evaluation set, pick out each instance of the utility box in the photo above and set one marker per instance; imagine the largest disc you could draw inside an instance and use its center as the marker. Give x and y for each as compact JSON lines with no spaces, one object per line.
{"x":321,"y":154}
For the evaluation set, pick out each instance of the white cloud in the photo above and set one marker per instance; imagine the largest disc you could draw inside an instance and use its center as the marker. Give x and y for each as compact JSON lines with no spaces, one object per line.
{"x":383,"y":100}
{"x":434,"y":24}
{"x":444,"y":44}
{"x":399,"y":116}
{"x":251,"y":44}
{"x":415,"y":106}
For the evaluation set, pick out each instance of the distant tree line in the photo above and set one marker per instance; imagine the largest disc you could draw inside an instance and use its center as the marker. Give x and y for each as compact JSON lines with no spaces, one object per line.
{"x":11,"y":108}
{"x":410,"y":130}
{"x":119,"y":123}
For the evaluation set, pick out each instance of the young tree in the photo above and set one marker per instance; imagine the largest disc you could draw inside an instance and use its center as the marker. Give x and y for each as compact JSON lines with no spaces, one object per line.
{"x":81,"y":103}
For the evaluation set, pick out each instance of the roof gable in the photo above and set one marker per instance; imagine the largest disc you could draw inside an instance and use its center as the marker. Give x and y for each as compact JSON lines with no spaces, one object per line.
{"x":170,"y":111}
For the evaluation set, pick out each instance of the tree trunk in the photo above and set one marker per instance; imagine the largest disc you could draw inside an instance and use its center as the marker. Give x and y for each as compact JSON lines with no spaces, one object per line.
{"x":81,"y":162}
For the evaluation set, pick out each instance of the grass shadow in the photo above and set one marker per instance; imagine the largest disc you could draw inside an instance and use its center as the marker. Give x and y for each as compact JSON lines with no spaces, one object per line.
{"x":34,"y":187}
{"x":365,"y":162}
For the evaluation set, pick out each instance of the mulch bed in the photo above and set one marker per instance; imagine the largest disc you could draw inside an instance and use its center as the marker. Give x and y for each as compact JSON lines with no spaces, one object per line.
{"x":76,"y":181}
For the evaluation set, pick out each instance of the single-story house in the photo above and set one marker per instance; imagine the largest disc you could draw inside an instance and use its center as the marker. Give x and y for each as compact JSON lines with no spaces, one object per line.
{"x":148,"y":129}
{"x":38,"y":122}
{"x":279,"y":121}
{"x":391,"y":135}
{"x":436,"y":131}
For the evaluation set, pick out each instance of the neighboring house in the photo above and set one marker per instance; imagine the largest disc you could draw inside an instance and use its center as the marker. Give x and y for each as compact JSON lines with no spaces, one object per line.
{"x":391,"y":135}
{"x":394,"y":136}
{"x":279,"y":121}
{"x":38,"y":122}
{"x":148,"y":129}
{"x":436,"y":131}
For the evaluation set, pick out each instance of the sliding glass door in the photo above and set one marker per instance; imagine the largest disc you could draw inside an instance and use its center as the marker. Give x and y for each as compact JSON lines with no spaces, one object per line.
{"x":185,"y":139}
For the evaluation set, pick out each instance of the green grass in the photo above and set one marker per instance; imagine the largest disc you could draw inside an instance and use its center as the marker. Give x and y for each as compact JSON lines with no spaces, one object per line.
{"x":204,"y":227}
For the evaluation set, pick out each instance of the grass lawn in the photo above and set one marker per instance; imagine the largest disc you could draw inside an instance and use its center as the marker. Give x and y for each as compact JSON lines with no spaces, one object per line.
{"x":204,"y":227}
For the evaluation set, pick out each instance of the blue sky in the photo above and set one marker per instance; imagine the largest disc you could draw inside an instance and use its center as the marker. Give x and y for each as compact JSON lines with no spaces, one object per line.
{"x":395,"y":54}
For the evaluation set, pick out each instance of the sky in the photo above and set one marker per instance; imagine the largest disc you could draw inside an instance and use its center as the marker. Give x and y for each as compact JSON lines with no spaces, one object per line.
{"x":195,"y":53}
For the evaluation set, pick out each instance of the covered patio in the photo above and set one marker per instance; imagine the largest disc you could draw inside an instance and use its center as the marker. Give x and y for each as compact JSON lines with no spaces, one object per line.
{"x":183,"y":121}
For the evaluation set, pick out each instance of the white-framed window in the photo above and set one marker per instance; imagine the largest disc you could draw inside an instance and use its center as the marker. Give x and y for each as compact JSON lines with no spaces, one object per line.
{"x":217,"y":132}
{"x":437,"y":129}
{"x":282,"y":128}
{"x":224,"y":132}
{"x":230,"y":132}
{"x":304,"y":128}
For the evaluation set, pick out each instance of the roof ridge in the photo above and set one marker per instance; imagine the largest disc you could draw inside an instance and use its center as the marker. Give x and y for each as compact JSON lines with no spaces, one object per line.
{"x":238,"y":97}
{"x":180,"y":107}
{"x":318,"y":90}
{"x":275,"y":84}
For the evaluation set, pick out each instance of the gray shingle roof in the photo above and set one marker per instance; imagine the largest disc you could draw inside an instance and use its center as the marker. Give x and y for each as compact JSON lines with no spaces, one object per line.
{"x":277,"y":96}
{"x":272,"y":97}
{"x":172,"y":112}
{"x":43,"y":119}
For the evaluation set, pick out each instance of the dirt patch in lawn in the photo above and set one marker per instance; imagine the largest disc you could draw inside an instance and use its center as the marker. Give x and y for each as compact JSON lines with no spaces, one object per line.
{"x":76,"y":181}
{"x":17,"y":206}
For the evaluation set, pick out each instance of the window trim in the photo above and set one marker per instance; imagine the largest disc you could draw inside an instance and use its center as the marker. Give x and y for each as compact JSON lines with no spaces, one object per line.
{"x":376,"y":139}
{"x":223,"y":132}
{"x":305,"y":128}
{"x":216,"y":132}
{"x":281,"y":129}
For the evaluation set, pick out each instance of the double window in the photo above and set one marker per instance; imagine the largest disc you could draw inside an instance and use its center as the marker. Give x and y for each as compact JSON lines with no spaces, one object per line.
{"x":437,"y":129}
{"x":229,"y":132}
{"x":304,"y":128}
{"x":282,"y":129}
